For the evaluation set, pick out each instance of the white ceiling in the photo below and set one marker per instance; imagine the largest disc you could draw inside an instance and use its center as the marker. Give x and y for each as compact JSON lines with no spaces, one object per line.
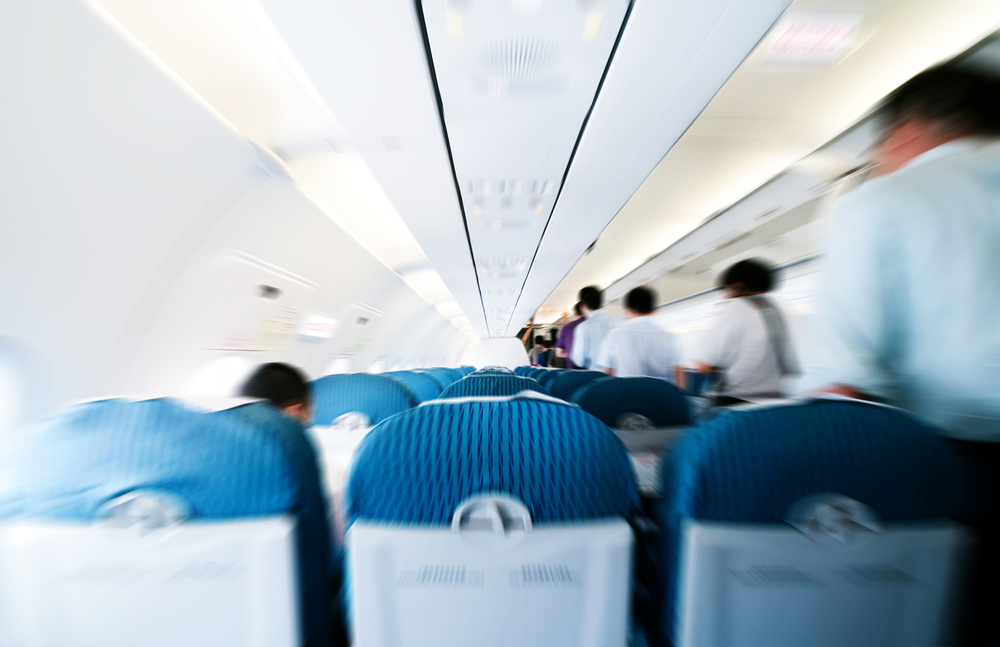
{"x":767,"y":118}
{"x":516,"y":84}
{"x":694,"y":113}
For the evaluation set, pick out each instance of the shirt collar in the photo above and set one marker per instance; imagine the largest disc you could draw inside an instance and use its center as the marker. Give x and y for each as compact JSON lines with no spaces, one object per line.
{"x":959,"y":145}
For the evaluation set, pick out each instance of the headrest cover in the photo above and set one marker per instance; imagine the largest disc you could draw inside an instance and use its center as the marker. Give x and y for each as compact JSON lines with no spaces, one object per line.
{"x":417,"y":467}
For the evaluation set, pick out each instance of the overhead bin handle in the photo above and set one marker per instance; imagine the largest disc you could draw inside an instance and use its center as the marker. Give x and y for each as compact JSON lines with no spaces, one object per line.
{"x":491,"y":513}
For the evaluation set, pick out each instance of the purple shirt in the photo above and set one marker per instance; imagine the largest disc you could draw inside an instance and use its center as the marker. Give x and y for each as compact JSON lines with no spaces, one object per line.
{"x":565,"y":339}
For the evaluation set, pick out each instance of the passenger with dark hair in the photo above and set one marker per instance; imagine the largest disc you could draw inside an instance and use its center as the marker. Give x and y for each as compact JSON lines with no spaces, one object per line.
{"x":283,"y":386}
{"x":536,"y":350}
{"x":748,"y":348}
{"x":564,"y":342}
{"x":545,"y":357}
{"x":910,"y":302}
{"x":589,"y":335}
{"x":639,"y":347}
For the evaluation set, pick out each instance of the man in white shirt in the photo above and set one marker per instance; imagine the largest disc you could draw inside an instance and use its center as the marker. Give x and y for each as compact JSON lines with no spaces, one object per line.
{"x":910,"y":306}
{"x":588,"y":336}
{"x":749,"y":347}
{"x":639,"y":347}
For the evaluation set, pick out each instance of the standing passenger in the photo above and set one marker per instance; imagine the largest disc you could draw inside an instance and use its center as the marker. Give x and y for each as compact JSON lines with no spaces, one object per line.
{"x":564,"y":342}
{"x":536,"y":351}
{"x":589,"y":335}
{"x":639,"y":347}
{"x":748,"y":348}
{"x":911,"y":301}
{"x":545,"y":357}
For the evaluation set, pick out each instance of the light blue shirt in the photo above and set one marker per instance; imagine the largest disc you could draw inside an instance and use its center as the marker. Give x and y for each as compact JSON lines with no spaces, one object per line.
{"x":909,"y":307}
{"x":588,"y":336}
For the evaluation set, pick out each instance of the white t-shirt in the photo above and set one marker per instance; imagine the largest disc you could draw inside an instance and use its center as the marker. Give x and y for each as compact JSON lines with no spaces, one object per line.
{"x":741,"y":346}
{"x":639,"y":347}
{"x":588,"y":337}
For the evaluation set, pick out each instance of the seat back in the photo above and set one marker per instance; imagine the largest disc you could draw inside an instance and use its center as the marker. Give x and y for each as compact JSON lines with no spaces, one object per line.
{"x":546,"y":377}
{"x":423,"y":386}
{"x":375,"y":396}
{"x":445,"y":377}
{"x":73,"y":584}
{"x":822,"y":523}
{"x":429,"y":569}
{"x":490,"y":386}
{"x":611,"y":398}
{"x":492,"y":371}
{"x":565,"y":384}
{"x":217,"y":470}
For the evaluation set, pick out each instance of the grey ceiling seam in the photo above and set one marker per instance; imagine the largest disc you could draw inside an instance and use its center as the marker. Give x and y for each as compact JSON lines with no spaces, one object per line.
{"x":572,"y":156}
{"x":447,"y":143}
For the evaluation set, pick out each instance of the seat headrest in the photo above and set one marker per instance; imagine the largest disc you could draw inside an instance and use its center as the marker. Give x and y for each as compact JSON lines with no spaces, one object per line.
{"x":751,"y":465}
{"x":562,"y":463}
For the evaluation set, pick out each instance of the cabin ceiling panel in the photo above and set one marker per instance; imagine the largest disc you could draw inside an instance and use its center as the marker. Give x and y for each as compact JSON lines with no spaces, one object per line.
{"x":670,"y":62}
{"x":516,"y":82}
{"x":367,"y":63}
{"x":766,"y":119}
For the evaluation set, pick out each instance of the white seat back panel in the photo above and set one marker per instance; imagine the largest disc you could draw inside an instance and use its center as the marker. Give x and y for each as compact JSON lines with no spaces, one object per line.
{"x":751,"y":586}
{"x":551,"y":586}
{"x":219,"y":584}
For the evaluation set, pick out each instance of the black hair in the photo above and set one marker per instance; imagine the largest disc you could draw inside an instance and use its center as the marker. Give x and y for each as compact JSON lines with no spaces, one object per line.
{"x":281,"y":384}
{"x":640,"y":299}
{"x":592,"y":297}
{"x":539,"y":339}
{"x":960,"y":99}
{"x":753,"y":274}
{"x":547,"y":343}
{"x":577,"y":310}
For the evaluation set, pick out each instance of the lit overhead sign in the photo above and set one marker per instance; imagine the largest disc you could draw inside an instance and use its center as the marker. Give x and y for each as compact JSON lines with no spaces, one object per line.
{"x":317,"y":326}
{"x":813,"y":39}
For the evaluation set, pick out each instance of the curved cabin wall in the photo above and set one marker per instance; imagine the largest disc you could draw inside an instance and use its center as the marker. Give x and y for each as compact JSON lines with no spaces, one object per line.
{"x":139,"y":226}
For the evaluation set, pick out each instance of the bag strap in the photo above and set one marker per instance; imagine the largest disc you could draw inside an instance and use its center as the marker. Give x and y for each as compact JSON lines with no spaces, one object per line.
{"x":776,"y":332}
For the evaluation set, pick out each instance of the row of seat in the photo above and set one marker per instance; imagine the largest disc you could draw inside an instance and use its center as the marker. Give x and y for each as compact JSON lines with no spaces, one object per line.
{"x":818,"y":522}
{"x":380,"y":396}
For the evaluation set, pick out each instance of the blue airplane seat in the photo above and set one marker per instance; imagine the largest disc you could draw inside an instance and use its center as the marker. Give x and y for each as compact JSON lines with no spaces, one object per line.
{"x":611,"y":398}
{"x":467,"y":369}
{"x":237,"y":464}
{"x":422,"y":385}
{"x":523,"y":371}
{"x":546,"y":377}
{"x":745,"y":470}
{"x":491,"y":371}
{"x":445,"y":377}
{"x":490,"y":385}
{"x":375,"y":396}
{"x":566,"y":383}
{"x":562,"y":463}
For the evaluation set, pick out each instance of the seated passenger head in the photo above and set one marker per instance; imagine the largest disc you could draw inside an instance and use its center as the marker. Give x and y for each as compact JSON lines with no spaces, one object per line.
{"x":934,"y":107}
{"x":547,"y":343}
{"x":639,"y":302}
{"x":577,"y":308}
{"x":746,"y":277}
{"x":592,"y":298}
{"x":283,"y":386}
